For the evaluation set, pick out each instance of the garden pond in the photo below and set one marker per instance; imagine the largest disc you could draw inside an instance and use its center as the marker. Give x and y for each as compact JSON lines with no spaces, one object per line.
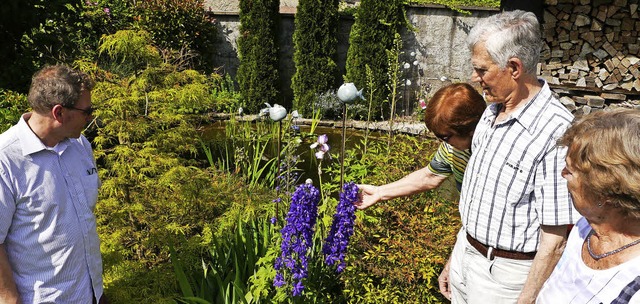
{"x":223,"y":146}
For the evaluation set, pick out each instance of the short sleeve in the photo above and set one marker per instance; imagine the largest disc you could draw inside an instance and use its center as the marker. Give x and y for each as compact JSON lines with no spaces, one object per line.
{"x":440,"y":163}
{"x":7,"y":206}
{"x":554,"y":203}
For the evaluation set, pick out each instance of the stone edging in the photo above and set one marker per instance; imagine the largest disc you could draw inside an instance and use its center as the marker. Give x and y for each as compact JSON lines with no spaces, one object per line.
{"x":404,"y":127}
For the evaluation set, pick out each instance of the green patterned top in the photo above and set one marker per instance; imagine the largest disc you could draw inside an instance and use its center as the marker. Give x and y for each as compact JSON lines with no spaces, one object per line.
{"x":449,"y":160}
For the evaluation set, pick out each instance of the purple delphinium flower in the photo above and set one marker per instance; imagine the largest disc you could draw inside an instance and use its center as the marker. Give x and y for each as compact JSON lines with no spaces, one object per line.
{"x":279,"y":280}
{"x":297,"y":237}
{"x":335,"y":246}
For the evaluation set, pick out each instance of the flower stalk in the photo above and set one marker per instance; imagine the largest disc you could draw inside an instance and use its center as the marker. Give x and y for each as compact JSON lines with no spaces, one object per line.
{"x":297,"y":238}
{"x":335,"y":246}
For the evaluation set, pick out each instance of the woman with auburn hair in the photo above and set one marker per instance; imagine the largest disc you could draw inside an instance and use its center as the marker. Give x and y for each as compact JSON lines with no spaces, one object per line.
{"x":452,"y":115}
{"x":601,"y":260}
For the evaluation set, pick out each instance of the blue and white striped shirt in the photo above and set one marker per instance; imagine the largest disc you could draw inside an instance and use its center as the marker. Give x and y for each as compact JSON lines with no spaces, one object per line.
{"x":513,"y":184}
{"x":47,"y":225}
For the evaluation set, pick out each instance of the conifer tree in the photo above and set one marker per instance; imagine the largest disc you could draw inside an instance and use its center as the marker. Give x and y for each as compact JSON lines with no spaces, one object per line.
{"x":315,"y":51}
{"x":376,"y":23}
{"x":258,"y":75}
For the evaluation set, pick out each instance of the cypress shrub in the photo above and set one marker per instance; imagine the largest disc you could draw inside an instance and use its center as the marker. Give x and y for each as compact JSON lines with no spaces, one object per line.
{"x":376,"y":23}
{"x":258,"y":76}
{"x":315,"y":51}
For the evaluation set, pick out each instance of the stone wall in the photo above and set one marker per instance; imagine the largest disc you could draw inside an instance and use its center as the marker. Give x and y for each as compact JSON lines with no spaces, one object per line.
{"x":226,"y":58}
{"x":437,"y":47}
{"x":435,"y":51}
{"x":590,"y":53}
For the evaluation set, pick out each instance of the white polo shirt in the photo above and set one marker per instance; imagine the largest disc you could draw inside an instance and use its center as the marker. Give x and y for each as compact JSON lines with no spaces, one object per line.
{"x":47,"y":225}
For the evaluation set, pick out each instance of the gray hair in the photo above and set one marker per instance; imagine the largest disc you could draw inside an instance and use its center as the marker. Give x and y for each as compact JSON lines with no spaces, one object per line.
{"x":57,"y":84}
{"x":508,"y":35}
{"x":603,"y":147}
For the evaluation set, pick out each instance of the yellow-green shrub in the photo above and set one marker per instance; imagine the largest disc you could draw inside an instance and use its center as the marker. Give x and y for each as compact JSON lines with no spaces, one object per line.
{"x":399,"y":246}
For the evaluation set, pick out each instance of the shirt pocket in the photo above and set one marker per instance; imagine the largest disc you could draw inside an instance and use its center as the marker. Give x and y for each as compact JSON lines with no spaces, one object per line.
{"x":90,"y":184}
{"x":517,"y":176}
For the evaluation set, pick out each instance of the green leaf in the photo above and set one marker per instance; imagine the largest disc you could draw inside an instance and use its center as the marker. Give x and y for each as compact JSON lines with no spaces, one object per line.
{"x":183,"y":282}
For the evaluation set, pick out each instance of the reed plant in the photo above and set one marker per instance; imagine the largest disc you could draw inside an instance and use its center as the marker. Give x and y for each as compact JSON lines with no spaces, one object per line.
{"x":371,"y":88}
{"x":317,"y":115}
{"x":394,"y":82}
{"x":232,"y":260}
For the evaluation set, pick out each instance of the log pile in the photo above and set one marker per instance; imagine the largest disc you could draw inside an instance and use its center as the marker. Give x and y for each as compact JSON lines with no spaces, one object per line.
{"x":592,"y":46}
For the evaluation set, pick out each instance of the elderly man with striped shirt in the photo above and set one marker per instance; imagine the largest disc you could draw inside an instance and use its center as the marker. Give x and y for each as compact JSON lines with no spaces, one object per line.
{"x":514,"y":204}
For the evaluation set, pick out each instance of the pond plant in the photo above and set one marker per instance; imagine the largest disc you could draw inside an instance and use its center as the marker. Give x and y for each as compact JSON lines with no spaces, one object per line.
{"x":277,"y":113}
{"x":348,"y":93}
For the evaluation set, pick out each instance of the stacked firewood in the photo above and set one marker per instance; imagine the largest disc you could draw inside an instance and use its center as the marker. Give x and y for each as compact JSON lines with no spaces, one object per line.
{"x":592,"y":46}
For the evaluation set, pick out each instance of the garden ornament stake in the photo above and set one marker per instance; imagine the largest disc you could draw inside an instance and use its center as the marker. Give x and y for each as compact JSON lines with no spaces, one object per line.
{"x":277,"y":113}
{"x":347,"y":93}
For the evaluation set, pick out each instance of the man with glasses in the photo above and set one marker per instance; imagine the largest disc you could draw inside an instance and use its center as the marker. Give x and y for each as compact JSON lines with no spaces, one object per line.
{"x":49,"y":246}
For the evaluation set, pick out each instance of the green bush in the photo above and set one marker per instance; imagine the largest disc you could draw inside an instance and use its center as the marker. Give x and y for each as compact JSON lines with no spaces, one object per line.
{"x":128,"y":51}
{"x":33,"y":33}
{"x":399,"y":246}
{"x":187,"y":210}
{"x":376,"y":23}
{"x":258,"y":76}
{"x":12,"y":106}
{"x":183,"y":27}
{"x":155,"y":192}
{"x":315,"y":50}
{"x":70,"y":30}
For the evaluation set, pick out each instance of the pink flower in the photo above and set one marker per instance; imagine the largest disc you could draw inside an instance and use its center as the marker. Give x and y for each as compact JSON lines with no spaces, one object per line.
{"x":321,"y":145}
{"x":107,"y":11}
{"x":423,"y":104}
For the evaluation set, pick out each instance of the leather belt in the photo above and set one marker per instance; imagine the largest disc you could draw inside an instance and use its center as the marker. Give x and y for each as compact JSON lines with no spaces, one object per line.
{"x":491,"y":252}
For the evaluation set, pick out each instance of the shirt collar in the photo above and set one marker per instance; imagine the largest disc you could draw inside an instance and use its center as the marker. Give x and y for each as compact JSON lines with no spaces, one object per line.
{"x":30,"y":142}
{"x":527,"y":114}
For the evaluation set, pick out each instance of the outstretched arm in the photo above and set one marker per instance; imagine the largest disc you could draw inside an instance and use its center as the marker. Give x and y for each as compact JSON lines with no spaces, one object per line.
{"x":416,"y":182}
{"x":8,"y":290}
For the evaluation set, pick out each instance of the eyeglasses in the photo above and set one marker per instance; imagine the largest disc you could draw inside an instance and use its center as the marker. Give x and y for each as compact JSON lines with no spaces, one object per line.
{"x":88,"y":111}
{"x":444,"y":138}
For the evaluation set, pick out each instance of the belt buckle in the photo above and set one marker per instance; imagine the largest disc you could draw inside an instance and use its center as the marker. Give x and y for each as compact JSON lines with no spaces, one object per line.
{"x":490,"y":255}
